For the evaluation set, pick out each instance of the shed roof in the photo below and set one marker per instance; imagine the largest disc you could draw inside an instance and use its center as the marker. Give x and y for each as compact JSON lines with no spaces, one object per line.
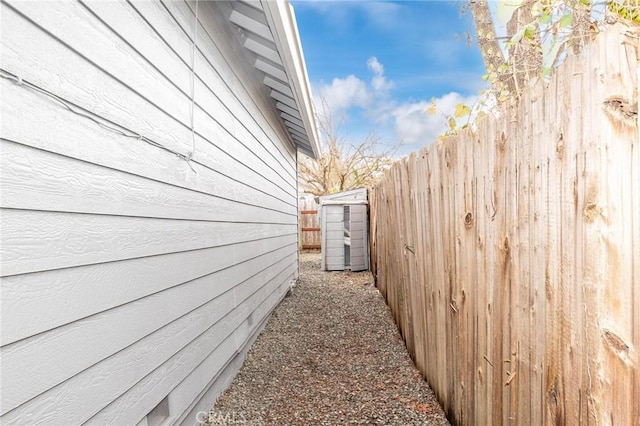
{"x":270,"y":35}
{"x":353,"y":196}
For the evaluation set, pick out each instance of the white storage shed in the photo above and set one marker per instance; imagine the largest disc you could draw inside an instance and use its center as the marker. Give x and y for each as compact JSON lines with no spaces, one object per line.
{"x":344,"y":227}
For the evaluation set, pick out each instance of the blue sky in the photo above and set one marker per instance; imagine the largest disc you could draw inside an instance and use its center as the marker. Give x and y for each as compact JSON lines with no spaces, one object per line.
{"x":377,"y":64}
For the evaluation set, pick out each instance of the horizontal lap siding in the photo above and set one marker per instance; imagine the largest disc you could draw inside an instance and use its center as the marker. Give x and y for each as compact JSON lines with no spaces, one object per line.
{"x":129,"y":274}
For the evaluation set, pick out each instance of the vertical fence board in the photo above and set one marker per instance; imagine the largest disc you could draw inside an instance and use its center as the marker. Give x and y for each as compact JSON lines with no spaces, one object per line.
{"x":510,"y":257}
{"x":635,"y":261}
{"x":501,"y":267}
{"x":553,"y":337}
{"x":451,"y":325}
{"x":538,"y":266}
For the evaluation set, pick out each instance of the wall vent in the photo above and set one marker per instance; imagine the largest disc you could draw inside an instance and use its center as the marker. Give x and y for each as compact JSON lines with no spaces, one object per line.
{"x":159,"y":414}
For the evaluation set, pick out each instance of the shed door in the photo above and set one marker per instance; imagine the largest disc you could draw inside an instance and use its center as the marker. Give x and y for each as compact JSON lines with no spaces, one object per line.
{"x":359,"y":243}
{"x":333,"y":245}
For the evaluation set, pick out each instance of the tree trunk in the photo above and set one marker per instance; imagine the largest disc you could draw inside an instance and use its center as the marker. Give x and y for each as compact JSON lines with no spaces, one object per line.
{"x":489,"y":46}
{"x":524,"y":59}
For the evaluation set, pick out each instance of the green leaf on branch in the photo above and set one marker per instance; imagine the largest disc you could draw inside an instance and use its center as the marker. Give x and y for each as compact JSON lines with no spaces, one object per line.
{"x":615,"y":7}
{"x":626,"y":9}
{"x":530,"y":32}
{"x":545,"y":18}
{"x":452,"y":123}
{"x":566,"y":20}
{"x":461,"y":110}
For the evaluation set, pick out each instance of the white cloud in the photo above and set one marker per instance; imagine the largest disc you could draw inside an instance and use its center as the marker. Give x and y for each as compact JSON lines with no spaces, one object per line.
{"x":412,"y":124}
{"x":409,"y":121}
{"x":379,"y":81}
{"x":374,"y":65}
{"x":343,"y":93}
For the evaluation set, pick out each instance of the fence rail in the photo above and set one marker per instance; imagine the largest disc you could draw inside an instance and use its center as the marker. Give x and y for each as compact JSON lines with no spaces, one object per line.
{"x":510,"y":257}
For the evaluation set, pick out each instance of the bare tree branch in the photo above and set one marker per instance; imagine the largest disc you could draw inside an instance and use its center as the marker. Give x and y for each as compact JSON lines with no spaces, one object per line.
{"x":340,"y":166}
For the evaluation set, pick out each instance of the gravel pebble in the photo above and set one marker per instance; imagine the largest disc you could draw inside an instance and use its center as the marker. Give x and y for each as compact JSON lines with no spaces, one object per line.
{"x":330,"y":355}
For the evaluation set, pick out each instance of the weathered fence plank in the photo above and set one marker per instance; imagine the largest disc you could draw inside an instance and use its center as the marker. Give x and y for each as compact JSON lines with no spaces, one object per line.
{"x":510,"y":257}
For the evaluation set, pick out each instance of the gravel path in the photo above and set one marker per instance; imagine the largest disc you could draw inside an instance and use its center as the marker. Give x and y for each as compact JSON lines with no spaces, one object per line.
{"x":330,"y":355}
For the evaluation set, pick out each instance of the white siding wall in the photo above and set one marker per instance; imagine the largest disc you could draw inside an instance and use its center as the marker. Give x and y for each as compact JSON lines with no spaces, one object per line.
{"x":126,"y":275}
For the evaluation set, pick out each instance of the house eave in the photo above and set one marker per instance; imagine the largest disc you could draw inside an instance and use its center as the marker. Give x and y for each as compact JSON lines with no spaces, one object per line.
{"x":271,"y":37}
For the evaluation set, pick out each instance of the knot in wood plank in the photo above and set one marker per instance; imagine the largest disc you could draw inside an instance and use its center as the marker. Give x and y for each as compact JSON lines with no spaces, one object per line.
{"x":621,"y":110}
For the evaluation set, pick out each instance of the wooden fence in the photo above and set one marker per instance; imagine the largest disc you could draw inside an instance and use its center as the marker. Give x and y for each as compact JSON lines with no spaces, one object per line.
{"x":309,"y":224}
{"x":510,"y":257}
